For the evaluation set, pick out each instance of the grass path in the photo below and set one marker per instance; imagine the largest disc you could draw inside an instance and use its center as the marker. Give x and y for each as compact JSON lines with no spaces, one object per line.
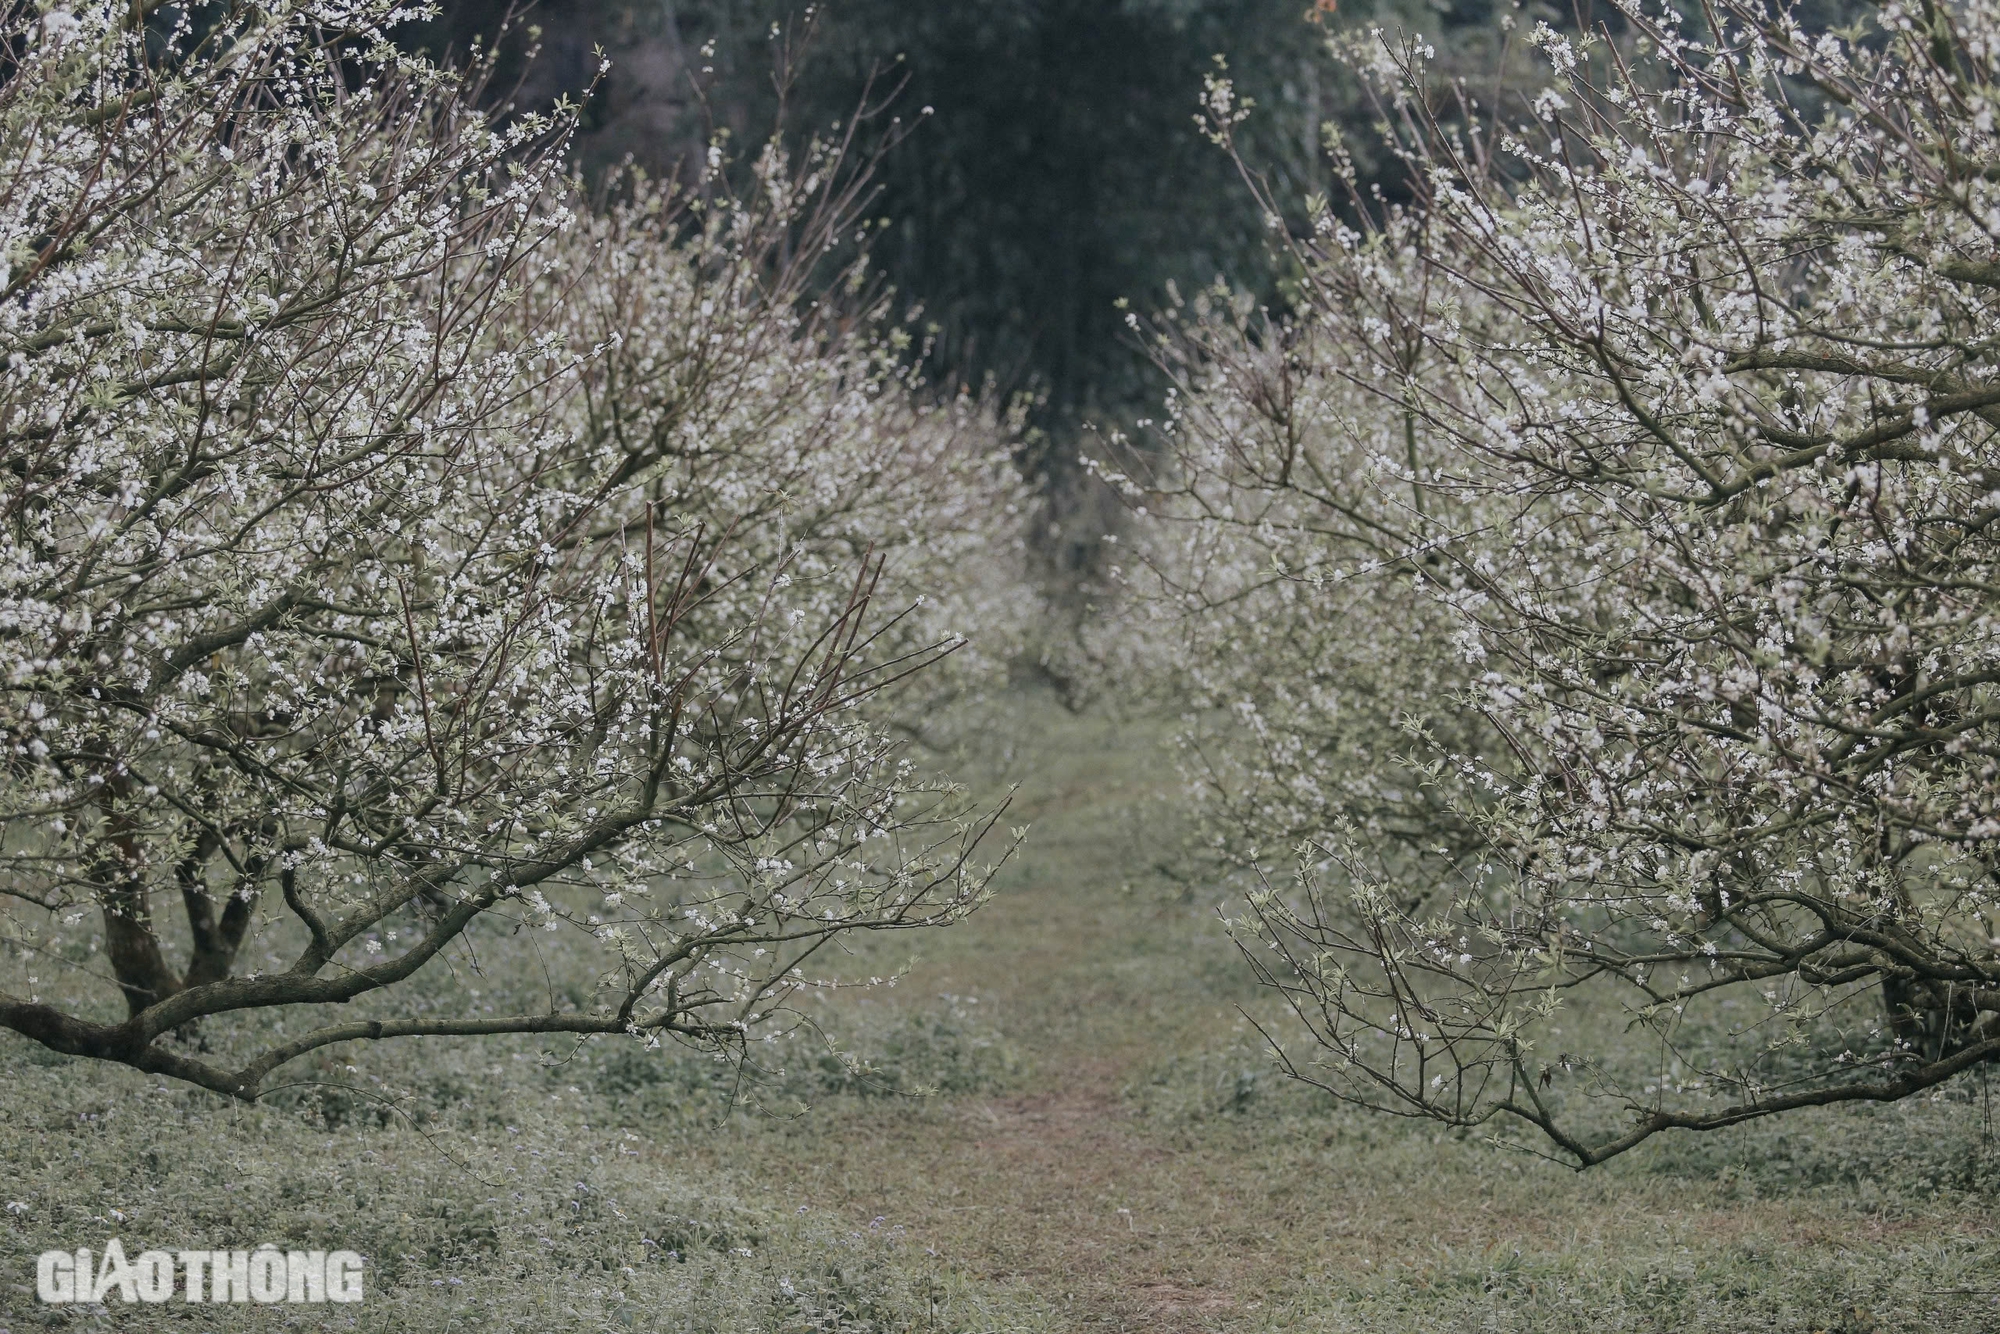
{"x":1058,"y":1190}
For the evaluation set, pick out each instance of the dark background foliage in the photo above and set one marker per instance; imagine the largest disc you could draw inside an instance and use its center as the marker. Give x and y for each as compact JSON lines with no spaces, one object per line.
{"x":1060,"y":170}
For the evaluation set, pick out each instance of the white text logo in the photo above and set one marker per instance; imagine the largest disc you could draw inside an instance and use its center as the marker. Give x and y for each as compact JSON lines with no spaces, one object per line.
{"x":266,"y":1274}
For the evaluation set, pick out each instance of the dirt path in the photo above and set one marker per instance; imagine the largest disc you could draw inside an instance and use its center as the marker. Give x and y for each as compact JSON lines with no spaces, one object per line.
{"x":1059,"y":1186}
{"x":1081,"y":1154}
{"x":1060,"y":1193}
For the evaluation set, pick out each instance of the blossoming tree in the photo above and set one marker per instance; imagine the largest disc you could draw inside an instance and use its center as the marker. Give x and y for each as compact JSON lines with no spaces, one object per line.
{"x":396,"y":550}
{"x":1595,"y":583}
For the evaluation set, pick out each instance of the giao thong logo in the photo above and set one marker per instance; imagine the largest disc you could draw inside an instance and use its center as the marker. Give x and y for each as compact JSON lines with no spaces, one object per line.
{"x":266,"y":1274}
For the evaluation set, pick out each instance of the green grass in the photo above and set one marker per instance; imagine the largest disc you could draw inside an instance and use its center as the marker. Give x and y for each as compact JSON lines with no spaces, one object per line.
{"x":1063,"y":1121}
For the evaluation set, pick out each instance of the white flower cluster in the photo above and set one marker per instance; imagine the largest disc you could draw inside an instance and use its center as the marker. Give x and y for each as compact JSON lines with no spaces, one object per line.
{"x":389,"y":532}
{"x":1596,"y":584}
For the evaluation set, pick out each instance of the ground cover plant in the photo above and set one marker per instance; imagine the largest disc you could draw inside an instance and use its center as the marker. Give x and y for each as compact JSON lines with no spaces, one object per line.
{"x":1126,"y":1159}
